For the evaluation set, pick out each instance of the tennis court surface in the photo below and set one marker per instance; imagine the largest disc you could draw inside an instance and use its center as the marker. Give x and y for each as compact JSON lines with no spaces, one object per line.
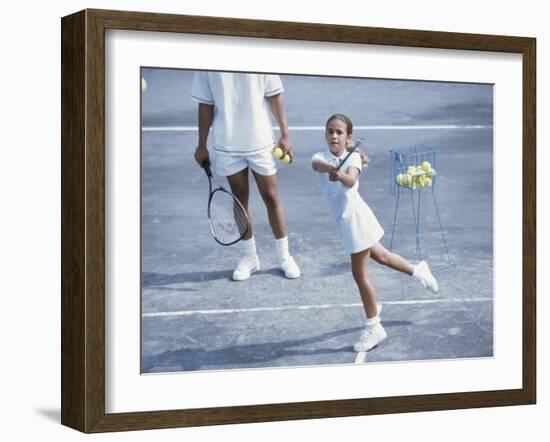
{"x":195,"y":318}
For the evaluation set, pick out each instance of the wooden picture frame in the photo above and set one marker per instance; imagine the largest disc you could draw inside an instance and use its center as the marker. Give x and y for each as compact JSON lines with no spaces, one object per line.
{"x":83,"y":220}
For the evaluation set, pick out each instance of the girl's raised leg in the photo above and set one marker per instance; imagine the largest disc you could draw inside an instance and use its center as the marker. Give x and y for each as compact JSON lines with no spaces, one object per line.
{"x":383,"y":256}
{"x":421,"y":271}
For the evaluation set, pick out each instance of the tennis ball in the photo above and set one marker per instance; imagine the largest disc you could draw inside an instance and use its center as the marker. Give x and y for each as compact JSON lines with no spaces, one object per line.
{"x":426,"y":166}
{"x":143,"y":84}
{"x":407,"y":180}
{"x":399,"y":179}
{"x":411,"y":170}
{"x":278,"y":153}
{"x":428,"y":181}
{"x":287,"y":159}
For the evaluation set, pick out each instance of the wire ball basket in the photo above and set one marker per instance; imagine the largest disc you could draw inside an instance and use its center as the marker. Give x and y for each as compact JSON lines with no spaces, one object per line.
{"x":412,"y":167}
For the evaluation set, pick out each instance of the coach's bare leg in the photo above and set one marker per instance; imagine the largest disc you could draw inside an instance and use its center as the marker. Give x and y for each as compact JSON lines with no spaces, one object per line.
{"x":240,"y":188}
{"x":267,"y":185}
{"x":383,"y":256}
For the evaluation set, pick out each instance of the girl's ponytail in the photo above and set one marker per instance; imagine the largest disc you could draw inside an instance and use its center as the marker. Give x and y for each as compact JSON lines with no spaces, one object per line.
{"x":363,"y":155}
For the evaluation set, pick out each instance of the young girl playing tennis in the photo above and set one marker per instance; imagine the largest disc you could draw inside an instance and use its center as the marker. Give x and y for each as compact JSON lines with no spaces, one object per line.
{"x":358,"y":227}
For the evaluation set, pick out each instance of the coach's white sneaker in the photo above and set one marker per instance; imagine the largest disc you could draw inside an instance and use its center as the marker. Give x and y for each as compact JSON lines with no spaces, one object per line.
{"x":290,"y":268}
{"x":370,"y":338}
{"x":245,"y":268}
{"x":422,"y":273}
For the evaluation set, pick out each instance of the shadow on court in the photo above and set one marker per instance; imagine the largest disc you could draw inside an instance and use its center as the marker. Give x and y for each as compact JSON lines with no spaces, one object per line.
{"x":252,"y":355}
{"x":157,"y":279}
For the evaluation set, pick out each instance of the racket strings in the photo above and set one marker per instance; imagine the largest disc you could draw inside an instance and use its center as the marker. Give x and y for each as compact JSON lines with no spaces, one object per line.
{"x":228,"y":219}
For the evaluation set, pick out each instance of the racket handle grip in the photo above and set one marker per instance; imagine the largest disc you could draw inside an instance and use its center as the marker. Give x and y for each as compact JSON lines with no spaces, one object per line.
{"x":206,"y":167}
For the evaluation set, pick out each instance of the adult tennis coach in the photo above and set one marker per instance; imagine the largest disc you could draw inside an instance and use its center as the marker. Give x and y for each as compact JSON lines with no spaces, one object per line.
{"x":237,"y":107}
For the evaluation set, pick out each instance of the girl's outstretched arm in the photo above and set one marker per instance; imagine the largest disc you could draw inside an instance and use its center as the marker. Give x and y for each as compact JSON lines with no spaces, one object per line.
{"x":322,"y":166}
{"x":347,"y":178}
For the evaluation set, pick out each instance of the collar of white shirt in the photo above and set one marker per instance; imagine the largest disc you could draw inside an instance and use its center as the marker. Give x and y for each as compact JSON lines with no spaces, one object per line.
{"x":333,"y":157}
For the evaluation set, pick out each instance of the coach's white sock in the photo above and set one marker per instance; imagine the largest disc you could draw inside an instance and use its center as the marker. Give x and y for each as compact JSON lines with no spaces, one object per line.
{"x":248,"y":246}
{"x":282,"y":248}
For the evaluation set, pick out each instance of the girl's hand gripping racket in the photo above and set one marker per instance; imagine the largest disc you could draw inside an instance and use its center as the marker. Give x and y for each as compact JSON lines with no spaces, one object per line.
{"x":356,"y":145}
{"x":226,"y":215}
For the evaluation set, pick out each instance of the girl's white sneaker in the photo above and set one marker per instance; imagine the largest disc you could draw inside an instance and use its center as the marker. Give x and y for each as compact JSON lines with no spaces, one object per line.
{"x":422,"y":273}
{"x":370,"y":338}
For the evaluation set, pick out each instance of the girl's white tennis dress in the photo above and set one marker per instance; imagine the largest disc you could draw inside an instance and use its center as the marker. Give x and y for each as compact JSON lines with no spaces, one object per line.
{"x":356,"y":224}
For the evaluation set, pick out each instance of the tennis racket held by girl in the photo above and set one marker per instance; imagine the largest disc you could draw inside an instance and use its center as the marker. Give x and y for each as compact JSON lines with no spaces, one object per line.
{"x":356,"y":146}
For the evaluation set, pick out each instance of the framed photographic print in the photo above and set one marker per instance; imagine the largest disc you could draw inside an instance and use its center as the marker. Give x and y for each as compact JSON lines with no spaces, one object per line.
{"x":387,"y":179}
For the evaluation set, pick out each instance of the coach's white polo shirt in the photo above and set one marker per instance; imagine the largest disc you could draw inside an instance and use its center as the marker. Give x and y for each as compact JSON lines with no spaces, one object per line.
{"x":242,"y":120}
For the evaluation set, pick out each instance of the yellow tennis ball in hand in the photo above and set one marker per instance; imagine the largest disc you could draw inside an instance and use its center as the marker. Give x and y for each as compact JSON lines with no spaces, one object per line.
{"x":287,"y":159}
{"x":278,"y":153}
{"x":143,"y":84}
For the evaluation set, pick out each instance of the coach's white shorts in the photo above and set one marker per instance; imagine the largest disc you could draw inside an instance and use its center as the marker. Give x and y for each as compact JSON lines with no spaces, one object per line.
{"x":261,"y":162}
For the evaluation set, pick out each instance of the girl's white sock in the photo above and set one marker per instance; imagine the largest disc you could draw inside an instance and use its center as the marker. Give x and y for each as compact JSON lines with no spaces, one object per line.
{"x":282,"y":248}
{"x":373,"y":321}
{"x":415,"y":272}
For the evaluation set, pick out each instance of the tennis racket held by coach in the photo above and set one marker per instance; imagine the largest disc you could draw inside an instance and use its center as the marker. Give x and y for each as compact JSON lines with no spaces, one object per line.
{"x":227,"y":217}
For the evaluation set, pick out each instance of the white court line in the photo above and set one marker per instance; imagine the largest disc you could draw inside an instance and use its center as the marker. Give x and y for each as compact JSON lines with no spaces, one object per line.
{"x":305,"y":307}
{"x":304,"y":128}
{"x":361,"y":357}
